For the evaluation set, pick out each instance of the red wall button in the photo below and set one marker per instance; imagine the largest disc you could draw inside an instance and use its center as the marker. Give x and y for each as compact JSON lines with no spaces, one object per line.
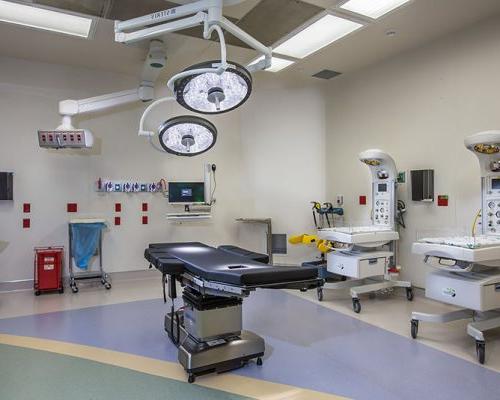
{"x":442,"y":201}
{"x":144,"y":219}
{"x":72,"y":207}
{"x":26,"y":208}
{"x":26,"y":223}
{"x":144,"y":207}
{"x":118,"y":207}
{"x":362,"y":200}
{"x":118,"y":221}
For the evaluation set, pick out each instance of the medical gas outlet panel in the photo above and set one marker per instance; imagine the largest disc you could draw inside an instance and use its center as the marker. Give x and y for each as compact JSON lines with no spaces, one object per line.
{"x":491,"y":205}
{"x":383,"y":203}
{"x":78,"y":139}
{"x":108,"y":186}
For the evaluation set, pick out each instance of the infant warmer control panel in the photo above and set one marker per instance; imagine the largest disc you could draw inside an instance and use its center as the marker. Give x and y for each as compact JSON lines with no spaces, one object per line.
{"x":491,"y":206}
{"x":383,"y":207}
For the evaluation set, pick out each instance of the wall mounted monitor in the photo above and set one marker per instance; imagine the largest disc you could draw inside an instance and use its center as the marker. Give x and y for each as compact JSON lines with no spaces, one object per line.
{"x":186,"y":192}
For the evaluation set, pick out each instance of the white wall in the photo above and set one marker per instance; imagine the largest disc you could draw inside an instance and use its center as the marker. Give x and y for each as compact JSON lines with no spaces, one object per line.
{"x":418,"y":107}
{"x":29,"y":93}
{"x":269,"y":160}
{"x":283,"y":134}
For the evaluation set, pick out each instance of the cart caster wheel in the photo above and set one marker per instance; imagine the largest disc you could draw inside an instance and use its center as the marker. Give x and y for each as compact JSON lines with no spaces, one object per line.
{"x":37,"y":293}
{"x":191,"y":378}
{"x":481,"y":351}
{"x":107,"y":285}
{"x":409,"y":294}
{"x":61,"y":291}
{"x":356,"y":305}
{"x":414,"y":328}
{"x":320,"y":294}
{"x":259,"y":361}
{"x":74,"y":289}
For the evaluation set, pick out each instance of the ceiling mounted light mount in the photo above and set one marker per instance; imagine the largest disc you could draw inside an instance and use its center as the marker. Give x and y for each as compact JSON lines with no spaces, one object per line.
{"x":212,"y":93}
{"x":187,"y":135}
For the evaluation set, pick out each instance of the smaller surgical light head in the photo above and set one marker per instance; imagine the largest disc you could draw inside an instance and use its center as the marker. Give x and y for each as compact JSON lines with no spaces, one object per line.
{"x":187,"y":135}
{"x":213,"y":93}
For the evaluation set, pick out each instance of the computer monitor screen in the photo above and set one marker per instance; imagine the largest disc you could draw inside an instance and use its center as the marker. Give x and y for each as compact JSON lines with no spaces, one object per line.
{"x":186,"y":192}
{"x":382,"y":187}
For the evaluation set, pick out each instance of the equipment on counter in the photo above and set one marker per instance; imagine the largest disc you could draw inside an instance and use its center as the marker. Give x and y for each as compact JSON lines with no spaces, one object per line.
{"x":368,"y":254}
{"x":48,"y":270}
{"x":467,"y":268}
{"x":208,"y":329}
{"x":85,"y":242}
{"x":325,"y":212}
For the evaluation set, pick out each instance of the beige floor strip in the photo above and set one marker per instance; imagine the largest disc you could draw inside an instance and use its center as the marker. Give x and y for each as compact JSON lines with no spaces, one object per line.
{"x":250,"y":387}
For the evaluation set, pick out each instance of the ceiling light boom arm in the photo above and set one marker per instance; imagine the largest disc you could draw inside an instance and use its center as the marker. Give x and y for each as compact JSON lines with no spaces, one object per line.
{"x":206,"y":12}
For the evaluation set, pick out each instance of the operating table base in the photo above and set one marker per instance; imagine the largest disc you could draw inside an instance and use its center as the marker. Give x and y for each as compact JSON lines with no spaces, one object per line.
{"x":218,"y":355}
{"x":484,"y":321}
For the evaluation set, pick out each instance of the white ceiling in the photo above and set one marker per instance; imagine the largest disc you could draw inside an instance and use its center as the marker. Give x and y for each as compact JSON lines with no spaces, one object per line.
{"x":416,"y":23}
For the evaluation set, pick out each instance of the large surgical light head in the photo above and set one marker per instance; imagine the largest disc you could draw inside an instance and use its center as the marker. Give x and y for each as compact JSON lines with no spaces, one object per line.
{"x":187,"y":135}
{"x":212,"y":92}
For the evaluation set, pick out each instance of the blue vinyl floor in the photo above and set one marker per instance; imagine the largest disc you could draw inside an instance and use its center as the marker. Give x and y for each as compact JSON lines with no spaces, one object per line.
{"x":307,"y":345}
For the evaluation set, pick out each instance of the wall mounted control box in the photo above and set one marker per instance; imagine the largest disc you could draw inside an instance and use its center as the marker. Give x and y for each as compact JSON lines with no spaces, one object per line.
{"x":77,"y":139}
{"x":422,"y":185}
{"x":6,"y":186}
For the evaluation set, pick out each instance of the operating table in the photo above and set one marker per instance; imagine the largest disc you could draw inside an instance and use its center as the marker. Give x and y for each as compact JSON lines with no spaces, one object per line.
{"x":208,"y":328}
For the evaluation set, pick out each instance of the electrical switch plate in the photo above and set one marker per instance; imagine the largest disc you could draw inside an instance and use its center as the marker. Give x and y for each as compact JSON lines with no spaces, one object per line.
{"x":118,"y":221}
{"x":72,"y":207}
{"x":144,"y":207}
{"x":362,"y":200}
{"x":118,"y":207}
{"x":145,"y":220}
{"x":340,"y":200}
{"x":26,"y":223}
{"x":26,"y":208}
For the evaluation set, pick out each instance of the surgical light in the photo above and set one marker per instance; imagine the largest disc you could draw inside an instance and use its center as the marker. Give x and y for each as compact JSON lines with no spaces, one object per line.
{"x":487,"y":148}
{"x":371,"y":8}
{"x":372,"y":162}
{"x":317,"y":35}
{"x":187,"y":135}
{"x":277,"y":63}
{"x":41,"y":18}
{"x":212,"y":92}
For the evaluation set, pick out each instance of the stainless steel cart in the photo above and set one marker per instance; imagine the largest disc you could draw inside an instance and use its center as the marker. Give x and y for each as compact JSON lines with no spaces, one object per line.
{"x":91,"y":274}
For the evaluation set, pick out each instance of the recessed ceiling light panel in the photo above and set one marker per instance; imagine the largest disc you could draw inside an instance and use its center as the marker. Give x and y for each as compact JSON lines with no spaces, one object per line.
{"x":187,"y":135}
{"x":41,"y":18}
{"x":373,"y":8}
{"x":211,"y":93}
{"x":277,"y":63}
{"x":317,"y":35}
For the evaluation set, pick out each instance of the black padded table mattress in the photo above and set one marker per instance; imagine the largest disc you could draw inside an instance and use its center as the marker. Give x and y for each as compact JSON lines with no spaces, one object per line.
{"x":220,"y":266}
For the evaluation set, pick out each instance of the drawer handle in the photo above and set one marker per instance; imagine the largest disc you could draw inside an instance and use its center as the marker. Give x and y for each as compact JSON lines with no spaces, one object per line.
{"x":373,"y":261}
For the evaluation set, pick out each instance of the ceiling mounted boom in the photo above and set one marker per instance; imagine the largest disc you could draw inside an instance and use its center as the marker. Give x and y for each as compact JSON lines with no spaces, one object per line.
{"x":204,"y":12}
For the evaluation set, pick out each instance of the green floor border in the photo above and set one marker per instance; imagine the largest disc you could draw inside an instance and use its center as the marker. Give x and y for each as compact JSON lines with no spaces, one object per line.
{"x":27,"y":374}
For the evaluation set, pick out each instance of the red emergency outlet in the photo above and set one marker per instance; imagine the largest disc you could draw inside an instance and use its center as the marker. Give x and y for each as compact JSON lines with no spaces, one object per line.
{"x":362,"y":200}
{"x":48,"y":269}
{"x":26,"y":223}
{"x":118,"y":207}
{"x":144,"y":219}
{"x":442,"y":201}
{"x":144,"y":207}
{"x":118,"y":221}
{"x":26,"y":208}
{"x":72,"y":207}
